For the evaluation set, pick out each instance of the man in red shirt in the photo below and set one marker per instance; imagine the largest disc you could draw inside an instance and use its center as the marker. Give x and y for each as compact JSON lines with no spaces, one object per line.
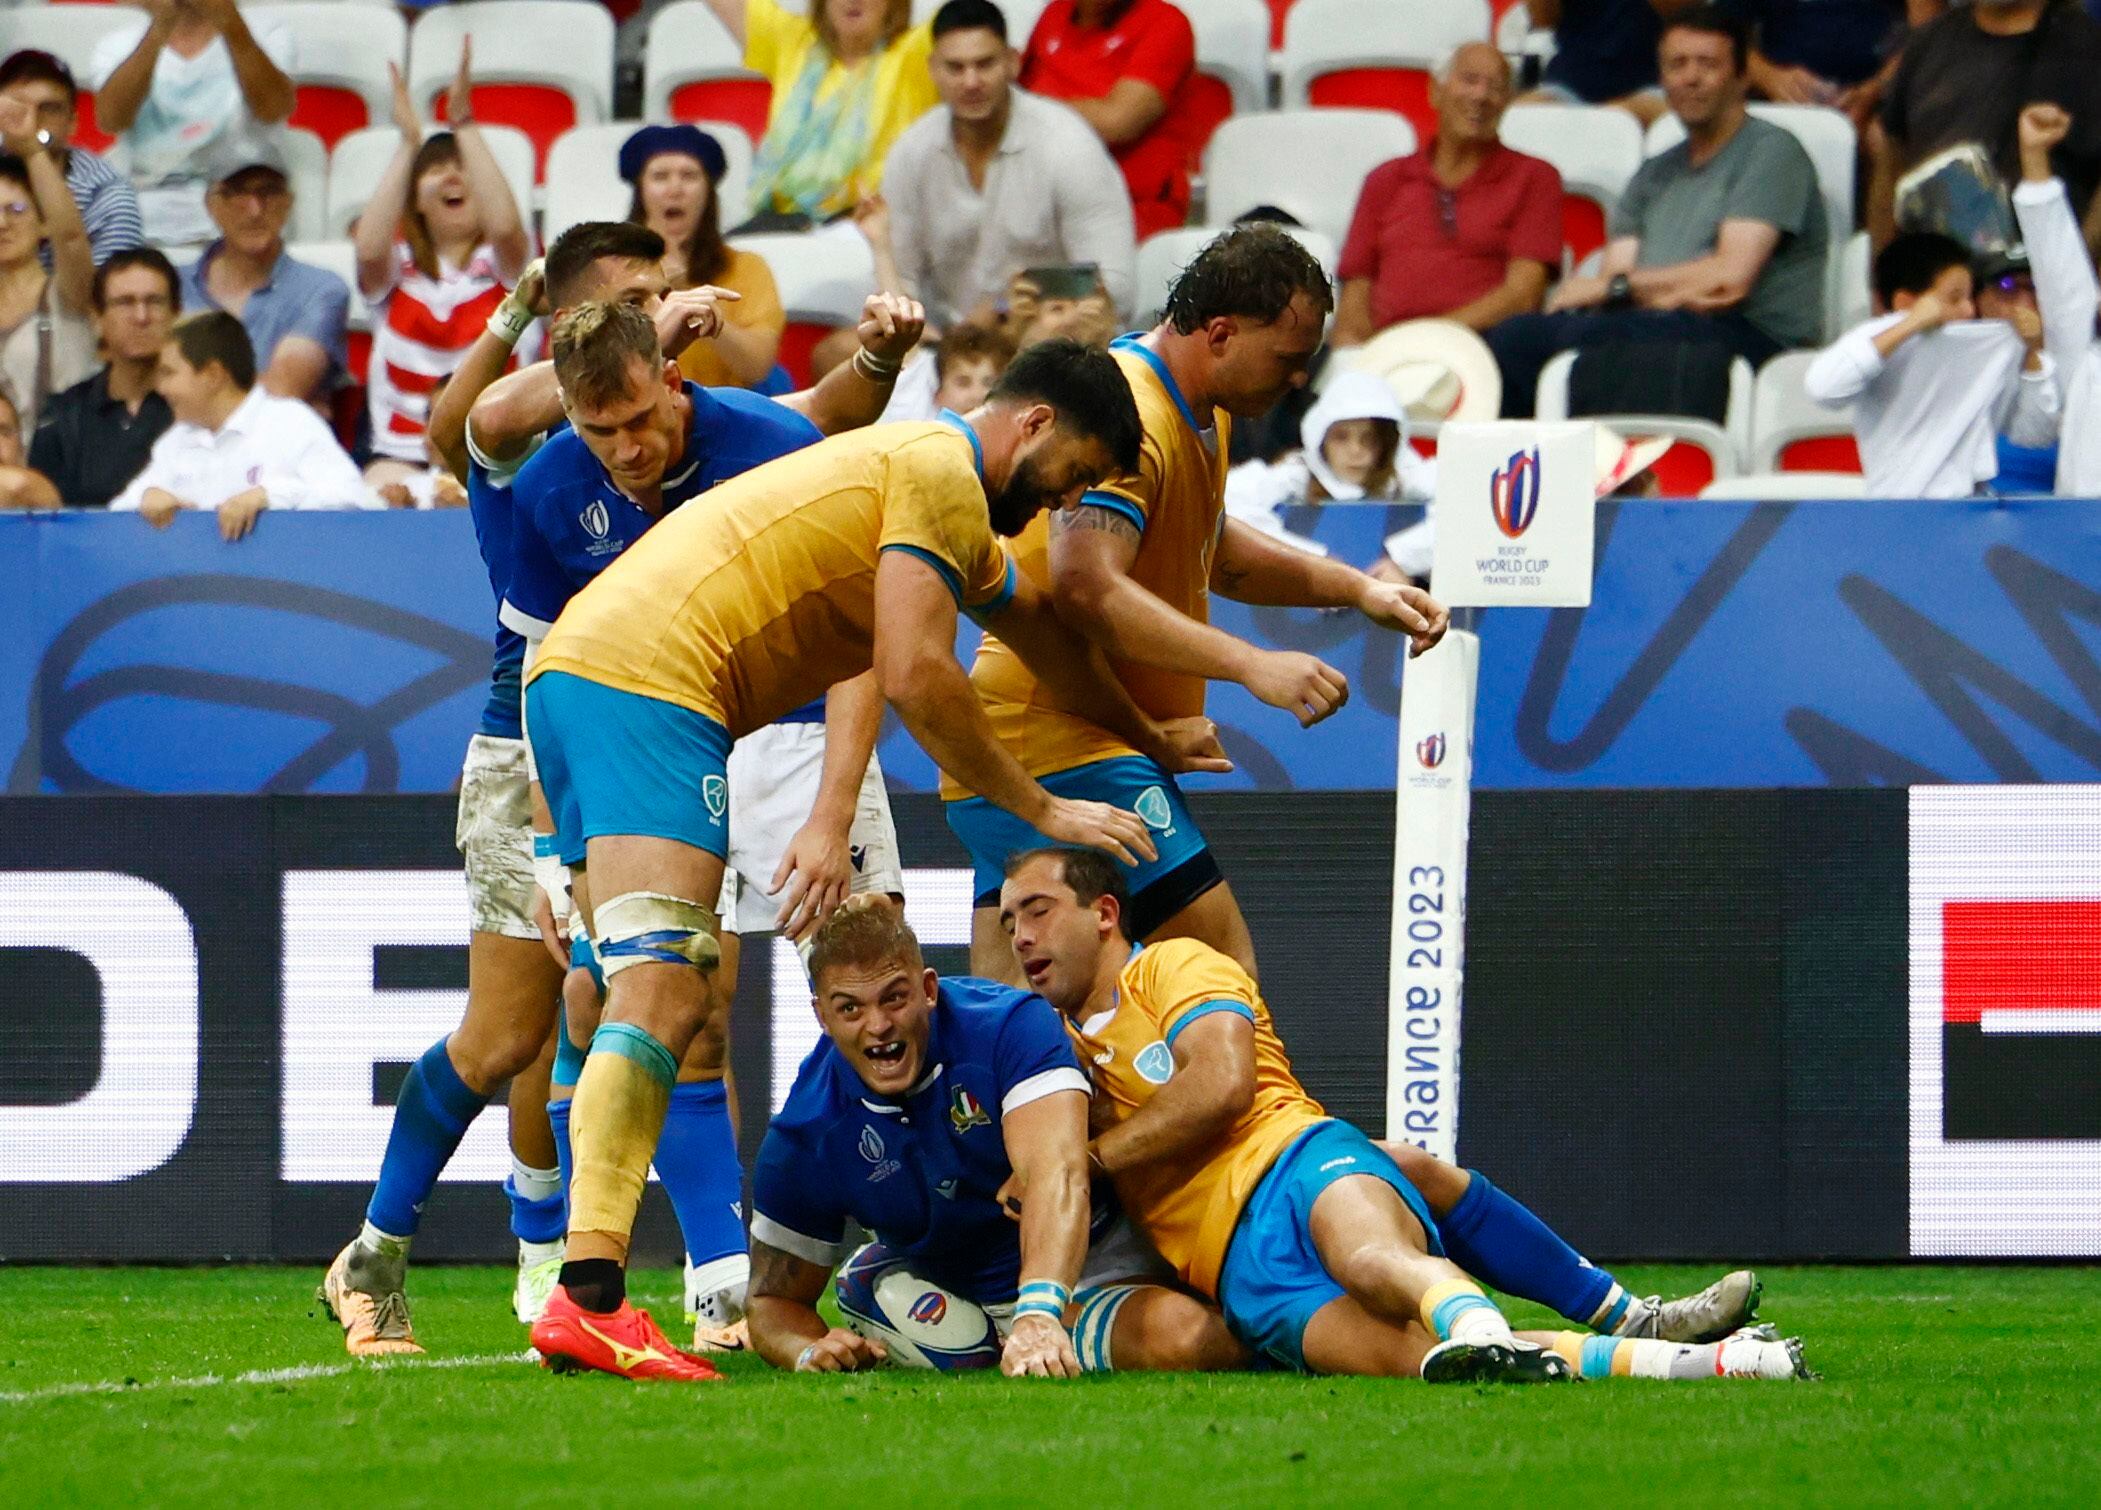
{"x":1466,"y":228}
{"x":1126,"y":67}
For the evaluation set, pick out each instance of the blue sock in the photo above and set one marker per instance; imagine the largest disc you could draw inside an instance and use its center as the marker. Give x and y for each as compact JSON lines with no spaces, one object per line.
{"x":558,"y":1119}
{"x":537,"y":1219}
{"x":697,"y":1161}
{"x":1502,"y":1244}
{"x":430,"y":1117}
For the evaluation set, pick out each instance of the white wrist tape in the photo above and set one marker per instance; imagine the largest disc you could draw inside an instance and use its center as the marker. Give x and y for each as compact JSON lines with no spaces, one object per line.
{"x":510,"y":320}
{"x":552,"y":876}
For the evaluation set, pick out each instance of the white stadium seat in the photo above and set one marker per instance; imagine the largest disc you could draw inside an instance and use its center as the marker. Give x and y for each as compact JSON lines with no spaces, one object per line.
{"x":1310,"y":163}
{"x":1705,"y":451}
{"x":1790,"y":432}
{"x":1851,"y":298}
{"x":1161,"y":259}
{"x":1594,"y":148}
{"x":306,"y":164}
{"x":341,"y":56}
{"x":1788,"y":487}
{"x":1825,"y":134}
{"x":692,"y":70}
{"x":584,"y":183}
{"x":1350,"y":53}
{"x":824,"y":276}
{"x":359,"y":158}
{"x":339,"y":257}
{"x":540,"y":65}
{"x":1232,"y":46}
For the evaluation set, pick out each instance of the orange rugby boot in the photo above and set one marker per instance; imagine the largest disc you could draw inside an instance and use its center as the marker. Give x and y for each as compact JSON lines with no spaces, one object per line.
{"x":570,"y":1339}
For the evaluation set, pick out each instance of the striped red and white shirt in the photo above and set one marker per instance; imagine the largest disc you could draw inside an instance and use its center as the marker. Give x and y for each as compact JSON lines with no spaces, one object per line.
{"x":421,"y":329}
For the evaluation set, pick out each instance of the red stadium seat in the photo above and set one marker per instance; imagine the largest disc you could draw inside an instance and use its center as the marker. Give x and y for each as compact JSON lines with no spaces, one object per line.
{"x":799,"y":338}
{"x":542,"y":111}
{"x":330,"y":112}
{"x":542,"y":66}
{"x":1594,"y":148}
{"x":692,"y":70}
{"x":342,"y":53}
{"x":1405,"y":90}
{"x":1278,"y":10}
{"x":742,"y":102}
{"x":1821,"y":453}
{"x":1685,"y":469}
{"x":1582,"y":224}
{"x":85,"y":132}
{"x":1790,"y":432}
{"x":1346,"y":53}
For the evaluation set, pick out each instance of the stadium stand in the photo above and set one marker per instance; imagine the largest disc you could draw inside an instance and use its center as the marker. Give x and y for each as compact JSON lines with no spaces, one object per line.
{"x":1161,"y":259}
{"x":1257,"y":160}
{"x":584,"y":183}
{"x":1596,"y":150}
{"x":70,"y":33}
{"x":360,"y":157}
{"x":540,"y":65}
{"x":343,"y":51}
{"x":1343,"y":52}
{"x":306,"y":165}
{"x":693,"y":71}
{"x":823,"y":281}
{"x":1704,"y":451}
{"x":1788,"y":487}
{"x":1232,"y":60}
{"x":1790,"y":433}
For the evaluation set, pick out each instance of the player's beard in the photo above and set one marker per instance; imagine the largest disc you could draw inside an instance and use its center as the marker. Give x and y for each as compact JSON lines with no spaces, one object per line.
{"x":1021,"y":500}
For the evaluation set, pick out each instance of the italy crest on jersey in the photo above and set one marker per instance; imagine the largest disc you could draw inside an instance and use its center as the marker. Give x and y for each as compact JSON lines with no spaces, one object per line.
{"x":966,"y":1111}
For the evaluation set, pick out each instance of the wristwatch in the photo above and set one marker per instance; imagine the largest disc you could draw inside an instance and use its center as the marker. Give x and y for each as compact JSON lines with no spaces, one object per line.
{"x":1619,"y":292}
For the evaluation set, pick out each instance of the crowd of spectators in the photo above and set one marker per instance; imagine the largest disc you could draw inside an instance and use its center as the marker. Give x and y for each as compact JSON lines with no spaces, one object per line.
{"x":1007,"y":182}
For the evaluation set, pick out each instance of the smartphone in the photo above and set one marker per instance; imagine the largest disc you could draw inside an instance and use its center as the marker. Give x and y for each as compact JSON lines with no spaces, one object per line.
{"x":1068,"y":281}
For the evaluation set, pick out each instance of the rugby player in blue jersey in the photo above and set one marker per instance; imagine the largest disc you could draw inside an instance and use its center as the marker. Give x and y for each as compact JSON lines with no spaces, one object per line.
{"x":513,"y":985}
{"x":929,"y":1107}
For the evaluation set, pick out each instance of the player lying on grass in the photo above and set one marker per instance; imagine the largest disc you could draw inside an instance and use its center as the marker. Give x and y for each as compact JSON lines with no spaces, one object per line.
{"x":923,"y":1103}
{"x":859,"y":551}
{"x":1320,"y":1253}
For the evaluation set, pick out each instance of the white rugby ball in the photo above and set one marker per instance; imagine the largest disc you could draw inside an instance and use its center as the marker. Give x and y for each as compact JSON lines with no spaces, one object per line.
{"x":921,"y":1323}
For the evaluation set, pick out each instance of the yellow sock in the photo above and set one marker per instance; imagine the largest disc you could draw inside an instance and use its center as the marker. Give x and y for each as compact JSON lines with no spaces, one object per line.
{"x":615,"y":1119}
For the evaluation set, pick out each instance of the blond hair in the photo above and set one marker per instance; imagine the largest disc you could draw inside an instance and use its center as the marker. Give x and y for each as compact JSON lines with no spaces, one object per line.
{"x":865,"y":932}
{"x":596,"y":345}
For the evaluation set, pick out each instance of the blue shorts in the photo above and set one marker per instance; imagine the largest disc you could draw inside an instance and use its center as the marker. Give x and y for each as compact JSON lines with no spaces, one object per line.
{"x":1273,"y":1280}
{"x":614,"y":762}
{"x":1160,"y":888}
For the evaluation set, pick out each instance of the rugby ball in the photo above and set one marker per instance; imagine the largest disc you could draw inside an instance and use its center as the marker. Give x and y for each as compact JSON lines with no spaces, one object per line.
{"x":922,"y":1324}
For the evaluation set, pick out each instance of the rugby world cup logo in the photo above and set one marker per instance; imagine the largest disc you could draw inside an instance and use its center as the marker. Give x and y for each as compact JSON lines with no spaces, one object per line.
{"x":871,"y":1145}
{"x":929,"y":1309}
{"x":1513,"y":493}
{"x":595,"y":519}
{"x":1430,"y":751}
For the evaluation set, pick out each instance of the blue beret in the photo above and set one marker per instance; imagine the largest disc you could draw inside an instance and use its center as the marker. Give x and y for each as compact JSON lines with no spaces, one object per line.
{"x":653,"y":141}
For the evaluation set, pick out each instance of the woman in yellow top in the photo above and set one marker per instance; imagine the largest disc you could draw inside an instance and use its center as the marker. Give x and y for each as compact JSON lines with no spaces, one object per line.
{"x":675,"y":171}
{"x":847,"y":78}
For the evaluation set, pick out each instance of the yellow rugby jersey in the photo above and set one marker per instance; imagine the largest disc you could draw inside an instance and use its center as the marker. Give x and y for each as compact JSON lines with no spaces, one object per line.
{"x":1190,"y":1205}
{"x":759,"y":594}
{"x":1177,"y":497}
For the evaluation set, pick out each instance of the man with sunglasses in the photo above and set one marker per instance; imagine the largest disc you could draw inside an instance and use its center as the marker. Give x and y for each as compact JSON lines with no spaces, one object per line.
{"x":295,"y":315}
{"x":1466,"y":229}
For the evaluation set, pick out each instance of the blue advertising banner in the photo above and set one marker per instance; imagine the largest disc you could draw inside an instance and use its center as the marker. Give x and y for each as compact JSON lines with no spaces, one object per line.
{"x":1851,"y":643}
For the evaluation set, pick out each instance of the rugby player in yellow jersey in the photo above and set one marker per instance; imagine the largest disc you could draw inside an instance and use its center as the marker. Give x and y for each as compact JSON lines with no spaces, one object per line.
{"x":1319,"y":1251}
{"x":1133,"y":568}
{"x":855,"y":552}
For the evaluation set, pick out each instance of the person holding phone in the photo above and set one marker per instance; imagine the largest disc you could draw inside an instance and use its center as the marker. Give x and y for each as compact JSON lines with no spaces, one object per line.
{"x":997,"y":180}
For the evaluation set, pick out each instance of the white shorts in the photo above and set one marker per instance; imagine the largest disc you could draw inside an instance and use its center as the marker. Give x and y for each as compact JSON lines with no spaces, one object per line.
{"x":495,"y":836}
{"x":773,"y":775}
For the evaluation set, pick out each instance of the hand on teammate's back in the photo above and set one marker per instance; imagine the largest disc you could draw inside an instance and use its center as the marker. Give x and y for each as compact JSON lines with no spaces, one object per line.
{"x":1098,"y":825}
{"x":1039,"y":1347}
{"x":1303,"y":685}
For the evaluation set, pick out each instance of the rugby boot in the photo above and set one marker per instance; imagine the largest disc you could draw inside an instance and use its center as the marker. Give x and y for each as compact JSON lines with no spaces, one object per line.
{"x":1728,"y":1305}
{"x":1760,"y":1352}
{"x":363,"y":1292}
{"x":571,"y":1340}
{"x":1494,"y":1363}
{"x":536,"y":1281}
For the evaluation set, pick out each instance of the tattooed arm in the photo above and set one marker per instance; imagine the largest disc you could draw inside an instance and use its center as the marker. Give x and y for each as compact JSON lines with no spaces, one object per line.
{"x":1092,"y":549}
{"x":785,"y":1328}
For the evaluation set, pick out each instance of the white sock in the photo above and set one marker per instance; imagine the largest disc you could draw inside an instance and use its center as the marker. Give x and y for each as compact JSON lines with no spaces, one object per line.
{"x":385,"y":1244}
{"x":719,"y":1287}
{"x":530,"y":1254}
{"x":534,"y":1184}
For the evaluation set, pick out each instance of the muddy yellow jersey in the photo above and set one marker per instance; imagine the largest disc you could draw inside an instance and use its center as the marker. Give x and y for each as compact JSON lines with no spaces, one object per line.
{"x":1176,"y":499}
{"x":758,"y":595}
{"x":1190,"y":1205}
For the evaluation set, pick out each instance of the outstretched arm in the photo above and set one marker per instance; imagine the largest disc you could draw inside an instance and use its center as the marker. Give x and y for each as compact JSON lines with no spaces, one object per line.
{"x":1047,"y":1148}
{"x":855,"y":393}
{"x":785,"y":1328}
{"x":1252,"y":567}
{"x":817,"y":866}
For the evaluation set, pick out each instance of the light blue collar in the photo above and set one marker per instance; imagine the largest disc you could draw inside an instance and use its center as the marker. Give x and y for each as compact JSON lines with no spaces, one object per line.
{"x":1151,"y":358}
{"x":977,"y":447}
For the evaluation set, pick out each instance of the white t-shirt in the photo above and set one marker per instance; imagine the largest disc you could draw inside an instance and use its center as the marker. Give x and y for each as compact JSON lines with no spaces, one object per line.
{"x":193,"y":115}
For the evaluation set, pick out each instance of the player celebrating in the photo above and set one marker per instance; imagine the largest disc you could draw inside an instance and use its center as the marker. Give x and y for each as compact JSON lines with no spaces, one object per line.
{"x":1321,"y":1254}
{"x":512,"y":984}
{"x":1133,"y":567}
{"x":855,"y":552}
{"x":960,"y":1088}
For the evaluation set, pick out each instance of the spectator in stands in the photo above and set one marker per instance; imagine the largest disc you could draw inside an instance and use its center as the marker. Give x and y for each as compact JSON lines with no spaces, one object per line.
{"x":2027,"y":448}
{"x":2067,"y":295}
{"x":1127,"y":67}
{"x":997,"y":180}
{"x":1604,"y":52}
{"x":438,"y":243}
{"x":1718,"y":242}
{"x":1840,"y":53}
{"x":967,"y":362}
{"x":46,"y":340}
{"x":1931,"y":384}
{"x":847,"y":79}
{"x":675,"y":171}
{"x":22,"y":486}
{"x":295,"y":314}
{"x":188,"y":84}
{"x":1466,"y":228}
{"x":95,"y":437}
{"x":1353,"y":448}
{"x":1966,"y":77}
{"x":233,"y":447}
{"x":1029,"y":317}
{"x":109,"y":207}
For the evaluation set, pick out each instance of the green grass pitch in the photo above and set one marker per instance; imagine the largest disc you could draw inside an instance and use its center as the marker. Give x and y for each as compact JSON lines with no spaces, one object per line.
{"x":1944,"y":1386}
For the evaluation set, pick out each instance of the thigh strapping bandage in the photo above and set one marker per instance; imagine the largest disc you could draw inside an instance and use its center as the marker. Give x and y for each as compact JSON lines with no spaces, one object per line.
{"x":651,"y":928}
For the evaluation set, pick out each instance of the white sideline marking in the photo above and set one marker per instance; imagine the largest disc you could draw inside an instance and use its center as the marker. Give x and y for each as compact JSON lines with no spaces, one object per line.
{"x":257,"y":1376}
